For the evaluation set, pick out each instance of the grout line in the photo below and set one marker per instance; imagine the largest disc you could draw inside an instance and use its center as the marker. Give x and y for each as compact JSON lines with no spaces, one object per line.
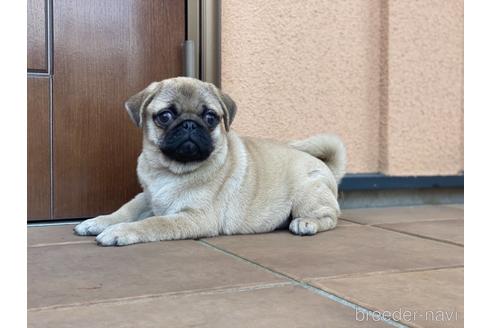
{"x":376,"y":317}
{"x":226,"y":252}
{"x":146,"y":297}
{"x":309,"y":287}
{"x":348,"y":223}
{"x":62,"y":243}
{"x":419,"y":236}
{"x":351,"y":220}
{"x":50,"y":224}
{"x":386,"y":272}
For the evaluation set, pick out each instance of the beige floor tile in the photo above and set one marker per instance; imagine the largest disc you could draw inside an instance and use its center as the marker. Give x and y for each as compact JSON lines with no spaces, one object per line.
{"x":274,"y":307}
{"x":423,"y":293}
{"x":401,"y":214}
{"x":447,"y":230}
{"x":63,"y":234}
{"x":342,"y":251}
{"x":54,"y":235}
{"x":86,"y":272}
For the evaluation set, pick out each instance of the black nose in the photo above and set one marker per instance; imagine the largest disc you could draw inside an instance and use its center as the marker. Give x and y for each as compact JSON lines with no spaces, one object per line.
{"x":189,"y":125}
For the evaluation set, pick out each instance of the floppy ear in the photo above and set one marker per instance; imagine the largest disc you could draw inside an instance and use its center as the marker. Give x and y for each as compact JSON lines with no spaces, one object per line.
{"x":228,"y":106}
{"x":136,"y":104}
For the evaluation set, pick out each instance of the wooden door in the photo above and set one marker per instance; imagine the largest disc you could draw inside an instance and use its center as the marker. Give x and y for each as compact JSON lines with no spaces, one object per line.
{"x":38,"y":149}
{"x":104,"y":52}
{"x":38,"y":113}
{"x":37,"y":37}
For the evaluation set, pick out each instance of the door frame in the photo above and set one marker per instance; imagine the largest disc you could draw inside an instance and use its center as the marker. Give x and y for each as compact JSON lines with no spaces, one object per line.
{"x":203,"y":40}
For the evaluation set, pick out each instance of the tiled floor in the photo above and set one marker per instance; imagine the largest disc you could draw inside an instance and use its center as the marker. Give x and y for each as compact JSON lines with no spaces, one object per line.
{"x":401,"y":262}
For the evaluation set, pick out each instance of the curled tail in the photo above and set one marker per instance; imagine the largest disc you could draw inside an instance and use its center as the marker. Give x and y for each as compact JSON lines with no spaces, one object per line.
{"x":326,"y":147}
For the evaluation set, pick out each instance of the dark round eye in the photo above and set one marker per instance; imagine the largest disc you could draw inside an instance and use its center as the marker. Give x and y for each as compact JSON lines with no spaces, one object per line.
{"x":164,"y":117}
{"x":211,"y":118}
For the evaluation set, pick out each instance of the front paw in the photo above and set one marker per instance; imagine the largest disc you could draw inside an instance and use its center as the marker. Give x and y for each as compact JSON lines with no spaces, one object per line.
{"x":92,"y":227}
{"x":304,"y":226}
{"x":120,"y":235}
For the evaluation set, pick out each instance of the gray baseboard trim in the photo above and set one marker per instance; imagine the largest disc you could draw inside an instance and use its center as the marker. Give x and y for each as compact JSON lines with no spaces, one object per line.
{"x":376,"y":181}
{"x":379,"y":190}
{"x":400,"y":197}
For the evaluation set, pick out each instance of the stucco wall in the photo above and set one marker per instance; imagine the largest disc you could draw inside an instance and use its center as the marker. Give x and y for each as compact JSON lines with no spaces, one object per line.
{"x":425,"y":90}
{"x":385,"y":76}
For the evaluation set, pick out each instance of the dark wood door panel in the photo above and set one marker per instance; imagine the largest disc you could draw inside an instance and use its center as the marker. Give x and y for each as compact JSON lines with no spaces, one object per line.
{"x":38,"y":149}
{"x":36,"y":35}
{"x":105,"y":51}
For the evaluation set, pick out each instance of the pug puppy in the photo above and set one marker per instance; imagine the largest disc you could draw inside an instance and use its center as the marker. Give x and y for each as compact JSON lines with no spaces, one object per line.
{"x":200,"y":179}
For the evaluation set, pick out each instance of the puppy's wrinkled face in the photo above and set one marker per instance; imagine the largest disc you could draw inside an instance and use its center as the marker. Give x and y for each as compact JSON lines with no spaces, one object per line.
{"x":182,"y":118}
{"x":181,"y":123}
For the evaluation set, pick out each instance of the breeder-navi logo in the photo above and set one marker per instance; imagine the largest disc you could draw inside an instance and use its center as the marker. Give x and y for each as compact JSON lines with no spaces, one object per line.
{"x":407,"y":315}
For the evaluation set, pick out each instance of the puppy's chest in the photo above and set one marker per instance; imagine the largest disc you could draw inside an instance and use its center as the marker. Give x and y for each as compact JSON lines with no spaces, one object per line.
{"x":169,"y":196}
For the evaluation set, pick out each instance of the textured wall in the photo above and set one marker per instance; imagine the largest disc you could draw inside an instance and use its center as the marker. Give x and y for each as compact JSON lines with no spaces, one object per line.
{"x":301,"y":67}
{"x":425,"y":91}
{"x":296,"y":68}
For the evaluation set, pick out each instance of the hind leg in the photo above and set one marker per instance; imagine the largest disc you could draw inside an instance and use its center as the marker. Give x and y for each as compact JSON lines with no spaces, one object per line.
{"x":315,"y":210}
